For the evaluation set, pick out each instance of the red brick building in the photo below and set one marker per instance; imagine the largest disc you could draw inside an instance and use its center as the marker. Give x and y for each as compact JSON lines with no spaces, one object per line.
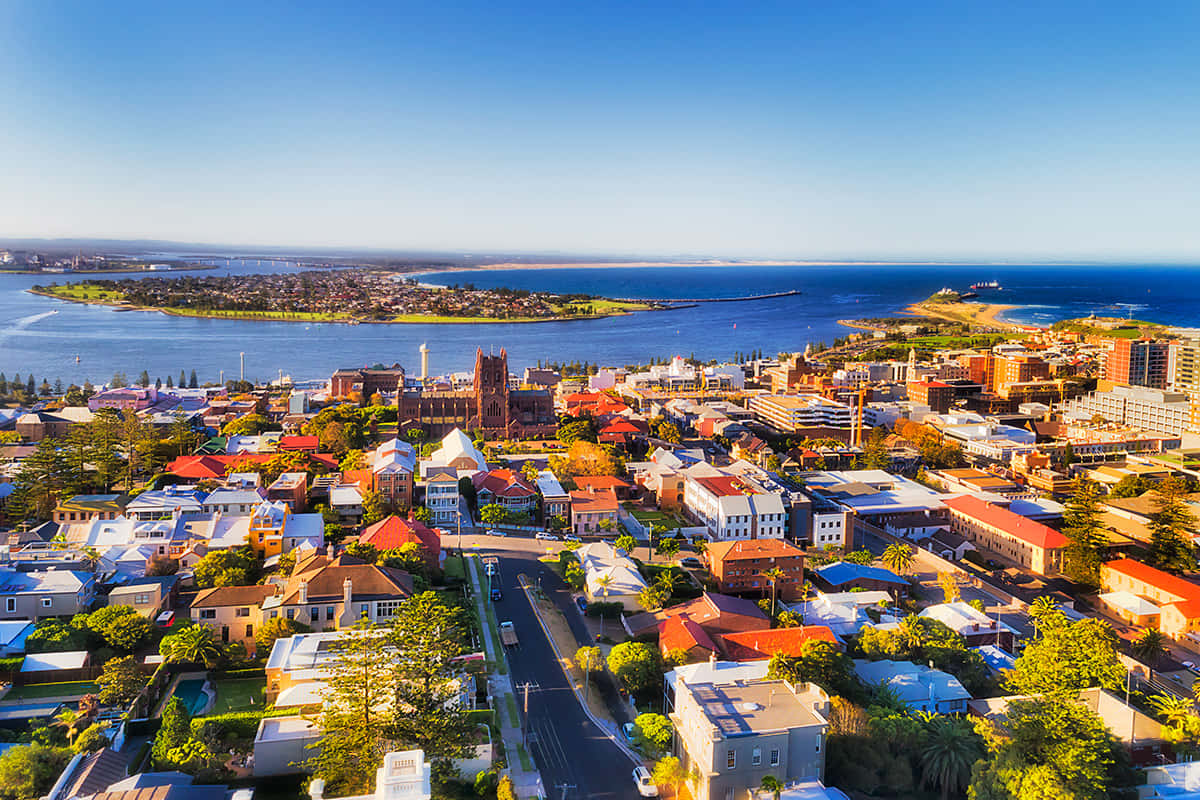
{"x":939,"y":396}
{"x":738,"y":566}
{"x":1138,"y":362}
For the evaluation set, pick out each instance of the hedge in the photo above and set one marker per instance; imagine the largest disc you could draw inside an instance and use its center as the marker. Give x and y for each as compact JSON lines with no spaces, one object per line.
{"x":604,"y":609}
{"x":241,"y":726}
{"x":236,"y":674}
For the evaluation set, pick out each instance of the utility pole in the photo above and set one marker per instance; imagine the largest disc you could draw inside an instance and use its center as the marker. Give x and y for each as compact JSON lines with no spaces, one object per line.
{"x":525,"y":687}
{"x":563,"y":787}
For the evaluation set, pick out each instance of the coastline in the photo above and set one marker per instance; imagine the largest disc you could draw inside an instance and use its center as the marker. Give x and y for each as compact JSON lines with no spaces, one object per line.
{"x":404,"y":319}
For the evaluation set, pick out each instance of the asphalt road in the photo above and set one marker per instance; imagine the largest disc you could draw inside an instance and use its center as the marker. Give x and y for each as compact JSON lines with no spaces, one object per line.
{"x":569,"y":749}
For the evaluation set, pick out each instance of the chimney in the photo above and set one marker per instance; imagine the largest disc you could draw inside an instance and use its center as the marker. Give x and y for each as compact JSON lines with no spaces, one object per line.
{"x":712,"y":658}
{"x":347,"y":593}
{"x":303,"y":592}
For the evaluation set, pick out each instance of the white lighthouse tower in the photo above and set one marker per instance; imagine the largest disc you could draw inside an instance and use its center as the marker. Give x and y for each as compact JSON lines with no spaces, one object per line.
{"x":424,"y":361}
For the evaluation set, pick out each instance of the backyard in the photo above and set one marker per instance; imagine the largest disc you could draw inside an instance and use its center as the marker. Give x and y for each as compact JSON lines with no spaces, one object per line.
{"x":662,"y":520}
{"x":244,"y":694}
{"x":39,"y":691}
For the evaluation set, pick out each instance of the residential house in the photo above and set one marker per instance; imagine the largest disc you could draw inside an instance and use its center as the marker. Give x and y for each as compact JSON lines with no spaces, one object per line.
{"x":842,"y":576}
{"x":610,"y":575}
{"x":740,"y":566}
{"x":716,"y":613}
{"x":84,"y":507}
{"x":790,"y":642}
{"x":918,"y":686}
{"x":556,"y":502}
{"x":393,"y":531}
{"x":594,"y":513}
{"x":347,"y":502}
{"x":290,"y":488}
{"x":233,"y":500}
{"x":1011,"y":537}
{"x":457,"y":453}
{"x":623,"y":489}
{"x":392,"y":465}
{"x":37,"y":595}
{"x":897,"y":505}
{"x":732,"y":506}
{"x":13,"y":634}
{"x":1140,"y":734}
{"x":441,"y":496}
{"x":506,"y":488}
{"x":235,"y":612}
{"x":274,"y":529}
{"x":38,"y":425}
{"x":332,"y":593}
{"x":972,"y":624}
{"x":1177,"y":600}
{"x":733,"y":735}
{"x":843,"y":612}
{"x":147,"y":596}
{"x":174,"y":500}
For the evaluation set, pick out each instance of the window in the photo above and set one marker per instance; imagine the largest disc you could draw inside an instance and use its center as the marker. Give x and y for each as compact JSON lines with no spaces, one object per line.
{"x":208,"y":613}
{"x":141,"y":599}
{"x":774,"y":758}
{"x":242,"y":612}
{"x":291,"y":613}
{"x":10,"y":604}
{"x":329,"y":612}
{"x":730,"y":759}
{"x":820,"y":736}
{"x":756,"y":757}
{"x":314,"y":613}
{"x":249,"y":631}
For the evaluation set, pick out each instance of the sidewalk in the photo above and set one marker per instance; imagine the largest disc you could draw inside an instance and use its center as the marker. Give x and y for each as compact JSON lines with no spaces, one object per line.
{"x":527,"y":782}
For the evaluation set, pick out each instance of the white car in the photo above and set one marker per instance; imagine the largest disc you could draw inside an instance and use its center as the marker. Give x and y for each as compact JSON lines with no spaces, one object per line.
{"x":546,"y":537}
{"x":494,"y":532}
{"x":645,"y":786}
{"x":570,"y":537}
{"x":489,"y":569}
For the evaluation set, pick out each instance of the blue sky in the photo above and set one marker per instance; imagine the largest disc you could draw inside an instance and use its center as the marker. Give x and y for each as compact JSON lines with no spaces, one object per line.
{"x":792,"y":130}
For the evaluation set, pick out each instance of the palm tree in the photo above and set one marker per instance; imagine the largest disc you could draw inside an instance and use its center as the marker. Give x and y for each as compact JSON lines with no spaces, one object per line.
{"x":1041,"y":608}
{"x":1171,"y":708}
{"x":773,"y":576}
{"x":805,"y":589}
{"x":1150,"y":646}
{"x":772,"y":785}
{"x":195,"y":644}
{"x":898,"y":557}
{"x":604,"y":581}
{"x":950,"y":750}
{"x":912,"y":631}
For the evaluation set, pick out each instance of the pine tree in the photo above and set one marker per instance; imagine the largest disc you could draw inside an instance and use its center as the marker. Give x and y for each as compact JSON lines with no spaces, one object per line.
{"x":58,"y":387}
{"x":1081,"y":525}
{"x":3,"y":384}
{"x":45,"y":389}
{"x":144,"y":379}
{"x":1172,"y":526}
{"x":31,"y":386}
{"x":192,"y":382}
{"x":182,"y":379}
{"x":16,"y":383}
{"x":170,"y":382}
{"x":158,"y":383}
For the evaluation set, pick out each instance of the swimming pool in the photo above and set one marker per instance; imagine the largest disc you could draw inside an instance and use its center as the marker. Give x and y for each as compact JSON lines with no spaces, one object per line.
{"x":191,"y":693}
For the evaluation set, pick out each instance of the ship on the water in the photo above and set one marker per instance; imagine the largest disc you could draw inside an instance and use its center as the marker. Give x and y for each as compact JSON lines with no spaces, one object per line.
{"x":987,"y":285}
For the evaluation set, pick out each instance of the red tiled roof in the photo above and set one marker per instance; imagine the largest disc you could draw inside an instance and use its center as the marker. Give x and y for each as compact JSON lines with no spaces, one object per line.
{"x":723,"y":485}
{"x":203,"y":467}
{"x":1190,"y":609}
{"x":1023,"y":528}
{"x":755,"y":645}
{"x":299,"y":443}
{"x":683,"y":633}
{"x":601,"y":482}
{"x":1165,"y":581}
{"x":752,"y":548}
{"x":503,"y":483}
{"x":594,"y":502}
{"x":619,"y":426}
{"x":394,"y":531}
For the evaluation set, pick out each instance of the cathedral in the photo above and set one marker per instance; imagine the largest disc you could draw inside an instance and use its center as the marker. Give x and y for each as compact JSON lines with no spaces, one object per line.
{"x":489,"y":406}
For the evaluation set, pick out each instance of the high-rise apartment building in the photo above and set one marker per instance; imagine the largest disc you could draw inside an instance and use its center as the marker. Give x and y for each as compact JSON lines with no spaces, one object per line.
{"x":1138,"y":362}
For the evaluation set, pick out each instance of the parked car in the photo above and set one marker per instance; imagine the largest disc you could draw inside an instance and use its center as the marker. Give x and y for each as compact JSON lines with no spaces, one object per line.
{"x":546,"y":537}
{"x":570,"y":537}
{"x":489,"y":569}
{"x":645,"y":786}
{"x":497,"y":594}
{"x":581,"y":603}
{"x":627,"y":731}
{"x":691,"y":562}
{"x":166,"y":619}
{"x":494,"y":532}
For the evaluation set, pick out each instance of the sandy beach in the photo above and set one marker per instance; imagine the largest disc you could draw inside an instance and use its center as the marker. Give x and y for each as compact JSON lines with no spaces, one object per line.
{"x":981,"y":314}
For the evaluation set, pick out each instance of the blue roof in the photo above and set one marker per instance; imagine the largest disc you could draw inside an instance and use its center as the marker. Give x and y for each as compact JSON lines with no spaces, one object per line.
{"x":842,"y":572}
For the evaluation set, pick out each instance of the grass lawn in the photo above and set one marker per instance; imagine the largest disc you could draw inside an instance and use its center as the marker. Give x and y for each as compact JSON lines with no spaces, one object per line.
{"x":245,"y":694}
{"x":452,"y":568}
{"x":38,"y":691}
{"x":87,"y":292}
{"x":660,"y":519}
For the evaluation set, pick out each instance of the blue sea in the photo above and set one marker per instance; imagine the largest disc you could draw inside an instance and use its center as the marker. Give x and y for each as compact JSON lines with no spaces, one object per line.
{"x":47,"y":336}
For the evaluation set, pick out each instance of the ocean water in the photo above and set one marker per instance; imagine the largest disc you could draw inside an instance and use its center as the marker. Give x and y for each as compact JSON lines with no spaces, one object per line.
{"x":46,"y":336}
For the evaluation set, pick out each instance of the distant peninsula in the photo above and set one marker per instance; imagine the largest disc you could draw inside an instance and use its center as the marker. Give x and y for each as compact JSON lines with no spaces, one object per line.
{"x":350,"y":296}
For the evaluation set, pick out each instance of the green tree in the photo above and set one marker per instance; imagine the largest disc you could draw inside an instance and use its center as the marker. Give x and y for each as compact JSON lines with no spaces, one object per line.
{"x":669,"y":771}
{"x":364,"y":550}
{"x":875,"y":452}
{"x":422,"y":514}
{"x":121,"y":681}
{"x":1172,"y":526}
{"x":819,"y":662}
{"x":358,"y":697}
{"x":276,"y":628}
{"x":354,"y":459}
{"x":1087,"y":541}
{"x":1068,"y":657}
{"x":174,"y":730}
{"x":1150,"y":646}
{"x":1055,"y":748}
{"x":667,"y":546}
{"x":636,"y":664}
{"x":90,"y":739}
{"x":862,"y":557}
{"x":195,"y":644}
{"x":28,"y":772}
{"x":773,"y":576}
{"x":949,"y":751}
{"x":1131,"y":486}
{"x":375,"y":507}
{"x":192,"y":383}
{"x":246,"y":425}
{"x":898,"y":557}
{"x":236,"y":567}
{"x":1041,"y":608}
{"x":626,"y":543}
{"x":575,"y":430}
{"x":55,"y":636}
{"x":653,"y":731}
{"x":493,"y":514}
{"x":121,"y":627}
